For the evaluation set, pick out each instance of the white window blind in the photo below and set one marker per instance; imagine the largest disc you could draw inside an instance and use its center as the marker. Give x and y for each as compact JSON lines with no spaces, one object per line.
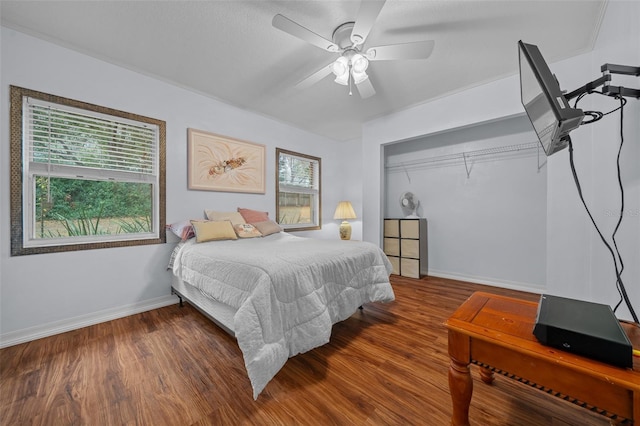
{"x":66,"y":138}
{"x":298,"y":174}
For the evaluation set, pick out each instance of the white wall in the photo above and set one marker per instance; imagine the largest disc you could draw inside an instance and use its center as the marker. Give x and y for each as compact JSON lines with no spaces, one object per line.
{"x":577,"y":265}
{"x":477,"y":105}
{"x":47,"y":293}
{"x":486,"y":215}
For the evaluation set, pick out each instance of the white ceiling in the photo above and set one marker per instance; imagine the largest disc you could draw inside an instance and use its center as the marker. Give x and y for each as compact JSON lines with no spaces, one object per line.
{"x":229,"y":50}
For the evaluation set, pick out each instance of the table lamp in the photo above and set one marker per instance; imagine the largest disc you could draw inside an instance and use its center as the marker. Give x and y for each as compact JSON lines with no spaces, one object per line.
{"x":344,"y":211}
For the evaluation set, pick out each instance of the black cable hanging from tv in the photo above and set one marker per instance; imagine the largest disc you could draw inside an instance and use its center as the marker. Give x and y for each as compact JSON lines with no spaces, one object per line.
{"x":619,"y":283}
{"x":623,"y":102}
{"x":597,"y":115}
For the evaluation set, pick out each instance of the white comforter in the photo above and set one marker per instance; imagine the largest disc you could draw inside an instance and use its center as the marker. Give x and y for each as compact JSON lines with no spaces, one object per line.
{"x":288,"y":290}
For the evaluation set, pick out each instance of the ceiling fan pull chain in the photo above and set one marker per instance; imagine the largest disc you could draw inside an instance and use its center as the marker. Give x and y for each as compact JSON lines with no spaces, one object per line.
{"x":350,"y":79}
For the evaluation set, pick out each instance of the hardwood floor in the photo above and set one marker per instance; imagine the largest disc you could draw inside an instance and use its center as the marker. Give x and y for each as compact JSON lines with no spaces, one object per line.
{"x":386,"y":365}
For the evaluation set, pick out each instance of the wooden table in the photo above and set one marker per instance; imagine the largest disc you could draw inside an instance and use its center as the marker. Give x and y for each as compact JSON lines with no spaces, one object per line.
{"x":496,"y":333}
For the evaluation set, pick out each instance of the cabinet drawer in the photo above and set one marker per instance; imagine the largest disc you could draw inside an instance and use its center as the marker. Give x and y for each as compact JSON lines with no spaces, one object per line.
{"x":395,"y":263}
{"x":410,"y":248}
{"x":410,"y":229}
{"x":392,"y":246}
{"x":410,"y":268}
{"x":391,"y":228}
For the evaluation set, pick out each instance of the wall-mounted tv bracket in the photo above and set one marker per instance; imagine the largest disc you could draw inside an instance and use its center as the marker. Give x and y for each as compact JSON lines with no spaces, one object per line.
{"x":607,"y":89}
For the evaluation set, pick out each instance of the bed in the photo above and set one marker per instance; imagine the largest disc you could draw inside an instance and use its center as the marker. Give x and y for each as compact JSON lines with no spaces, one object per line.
{"x":279,"y":295}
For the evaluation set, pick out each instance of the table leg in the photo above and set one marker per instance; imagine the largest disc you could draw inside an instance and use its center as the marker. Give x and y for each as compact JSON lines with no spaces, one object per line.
{"x":461,"y":388}
{"x":486,"y":375}
{"x":460,"y":382}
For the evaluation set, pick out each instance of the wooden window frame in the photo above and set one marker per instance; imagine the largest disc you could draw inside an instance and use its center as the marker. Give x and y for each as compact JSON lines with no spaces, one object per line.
{"x":318,"y":207}
{"x":17,"y":178}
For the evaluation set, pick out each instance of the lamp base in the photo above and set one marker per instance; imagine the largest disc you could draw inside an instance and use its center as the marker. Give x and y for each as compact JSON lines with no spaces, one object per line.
{"x":345,"y":230}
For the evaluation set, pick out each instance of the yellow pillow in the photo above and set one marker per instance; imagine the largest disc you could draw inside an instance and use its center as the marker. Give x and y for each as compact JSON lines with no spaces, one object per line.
{"x":211,"y":230}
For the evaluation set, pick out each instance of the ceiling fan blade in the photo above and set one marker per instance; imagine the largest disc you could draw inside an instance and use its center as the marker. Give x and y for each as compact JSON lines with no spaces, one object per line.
{"x":315,"y":77}
{"x":288,"y":26}
{"x":367,"y":14}
{"x":365,"y":88}
{"x":415,"y":50}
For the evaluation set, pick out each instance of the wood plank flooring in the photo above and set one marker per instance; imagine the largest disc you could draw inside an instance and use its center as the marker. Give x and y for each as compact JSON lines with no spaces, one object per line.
{"x":386,"y":365}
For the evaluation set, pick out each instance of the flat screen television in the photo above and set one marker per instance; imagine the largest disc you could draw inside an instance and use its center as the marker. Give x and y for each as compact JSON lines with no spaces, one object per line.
{"x":547,"y":108}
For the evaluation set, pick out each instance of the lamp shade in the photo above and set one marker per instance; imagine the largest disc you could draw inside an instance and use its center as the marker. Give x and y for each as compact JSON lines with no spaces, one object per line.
{"x":359,"y":77}
{"x":340,"y":66}
{"x":343,"y":79}
{"x":359,"y":63}
{"x":344,"y":211}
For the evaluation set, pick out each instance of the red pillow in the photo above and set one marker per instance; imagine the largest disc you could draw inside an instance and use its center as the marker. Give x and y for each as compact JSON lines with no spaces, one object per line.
{"x":253,"y":216}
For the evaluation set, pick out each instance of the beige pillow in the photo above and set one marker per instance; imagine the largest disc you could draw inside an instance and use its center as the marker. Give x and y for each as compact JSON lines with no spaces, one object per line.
{"x":235,"y":217}
{"x":267,"y":227}
{"x":246,"y":231}
{"x":211,"y":230}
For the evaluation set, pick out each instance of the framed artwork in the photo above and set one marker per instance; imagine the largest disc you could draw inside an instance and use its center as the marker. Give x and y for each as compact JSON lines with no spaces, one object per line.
{"x":221,"y":163}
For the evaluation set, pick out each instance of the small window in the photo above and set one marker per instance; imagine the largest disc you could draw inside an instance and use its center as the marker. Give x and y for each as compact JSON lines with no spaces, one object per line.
{"x":298,"y":191}
{"x":83,"y":176}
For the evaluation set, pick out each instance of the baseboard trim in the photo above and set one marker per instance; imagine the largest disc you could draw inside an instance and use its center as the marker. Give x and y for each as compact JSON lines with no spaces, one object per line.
{"x":38,"y":332}
{"x":531,"y":288}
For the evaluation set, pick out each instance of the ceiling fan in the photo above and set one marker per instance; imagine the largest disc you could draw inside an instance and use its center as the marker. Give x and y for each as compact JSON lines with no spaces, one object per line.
{"x":348,"y":40}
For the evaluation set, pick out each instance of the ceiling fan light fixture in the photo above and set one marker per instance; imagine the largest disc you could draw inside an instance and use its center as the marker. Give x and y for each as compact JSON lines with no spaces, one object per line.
{"x":340,"y":67}
{"x":343,"y":79}
{"x":359,"y":63}
{"x":359,"y":77}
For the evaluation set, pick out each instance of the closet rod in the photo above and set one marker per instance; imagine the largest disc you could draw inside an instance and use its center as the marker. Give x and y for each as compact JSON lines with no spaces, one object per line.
{"x":465,"y":155}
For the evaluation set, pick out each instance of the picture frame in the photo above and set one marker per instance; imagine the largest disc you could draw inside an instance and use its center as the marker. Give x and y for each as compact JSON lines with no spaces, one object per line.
{"x":222,"y":163}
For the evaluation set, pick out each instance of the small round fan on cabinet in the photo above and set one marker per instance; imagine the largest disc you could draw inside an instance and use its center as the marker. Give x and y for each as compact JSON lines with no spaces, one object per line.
{"x":409,"y":204}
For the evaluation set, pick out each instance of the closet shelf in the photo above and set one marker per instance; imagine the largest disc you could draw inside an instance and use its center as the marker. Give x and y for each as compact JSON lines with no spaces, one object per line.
{"x":464,"y":156}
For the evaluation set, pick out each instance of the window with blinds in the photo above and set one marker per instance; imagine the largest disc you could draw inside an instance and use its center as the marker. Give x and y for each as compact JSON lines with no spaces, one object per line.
{"x":91,"y":176}
{"x":60,"y":138}
{"x":298,"y":191}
